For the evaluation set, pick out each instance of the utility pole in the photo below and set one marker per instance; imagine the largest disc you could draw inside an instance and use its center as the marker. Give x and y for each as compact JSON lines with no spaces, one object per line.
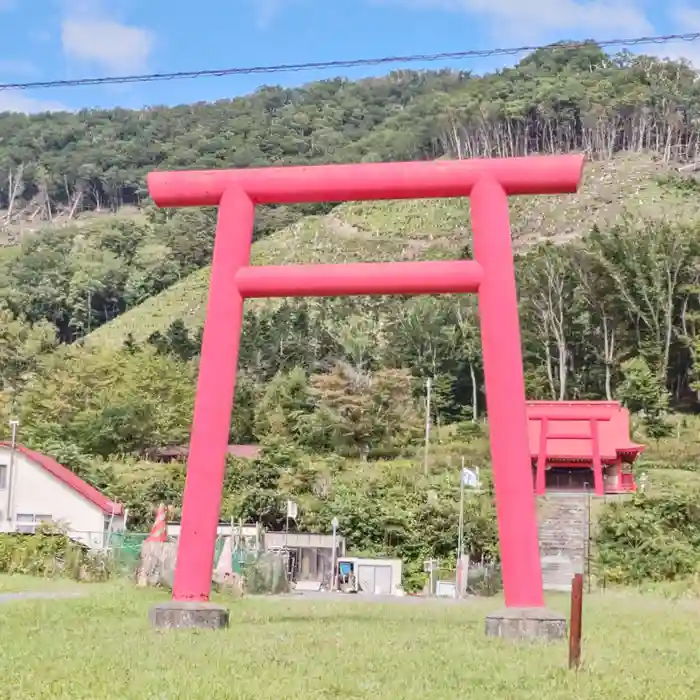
{"x":14,"y":424}
{"x":460,"y":537}
{"x":428,"y":386}
{"x":467,"y":477}
{"x":334,"y":554}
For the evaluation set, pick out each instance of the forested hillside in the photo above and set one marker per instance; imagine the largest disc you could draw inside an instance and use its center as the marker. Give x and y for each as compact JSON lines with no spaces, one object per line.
{"x":102,"y":296}
{"x":60,"y":165}
{"x":553,"y":101}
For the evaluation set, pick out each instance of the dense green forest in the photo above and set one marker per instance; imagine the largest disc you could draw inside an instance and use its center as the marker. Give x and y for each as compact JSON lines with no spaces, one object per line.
{"x":102,"y":295}
{"x":59,"y":165}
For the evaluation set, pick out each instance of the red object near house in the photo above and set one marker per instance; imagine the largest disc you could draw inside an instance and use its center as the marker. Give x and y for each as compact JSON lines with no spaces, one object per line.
{"x":159,"y":531}
{"x":575,"y":445}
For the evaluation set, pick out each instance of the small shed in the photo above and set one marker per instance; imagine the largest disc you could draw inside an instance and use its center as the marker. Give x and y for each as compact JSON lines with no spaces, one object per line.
{"x":310,"y":555}
{"x":375,"y":576}
{"x":576,"y":445}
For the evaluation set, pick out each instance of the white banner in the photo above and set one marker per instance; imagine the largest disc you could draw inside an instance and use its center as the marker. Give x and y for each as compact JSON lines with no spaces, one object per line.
{"x":470,"y":478}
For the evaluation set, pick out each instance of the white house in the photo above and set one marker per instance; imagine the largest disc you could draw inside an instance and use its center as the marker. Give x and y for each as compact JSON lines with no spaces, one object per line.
{"x":35,"y":488}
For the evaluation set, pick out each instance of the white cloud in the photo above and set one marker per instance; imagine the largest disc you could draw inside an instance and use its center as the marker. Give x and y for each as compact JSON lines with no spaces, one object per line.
{"x":92,"y":33}
{"x":11,"y":101}
{"x":112,"y":46}
{"x":686,"y":16}
{"x":513,"y":22}
{"x":266,"y":11}
{"x":540,"y":20}
{"x":684,"y":19}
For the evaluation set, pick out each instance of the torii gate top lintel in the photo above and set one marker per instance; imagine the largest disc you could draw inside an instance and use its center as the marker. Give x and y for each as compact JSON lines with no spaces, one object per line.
{"x":531,"y":175}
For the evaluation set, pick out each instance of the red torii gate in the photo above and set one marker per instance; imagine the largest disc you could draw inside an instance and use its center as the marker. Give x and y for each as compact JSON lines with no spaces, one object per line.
{"x":488,"y":183}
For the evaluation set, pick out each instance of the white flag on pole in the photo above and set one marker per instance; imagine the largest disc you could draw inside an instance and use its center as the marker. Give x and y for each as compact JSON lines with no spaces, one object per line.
{"x":470,"y":478}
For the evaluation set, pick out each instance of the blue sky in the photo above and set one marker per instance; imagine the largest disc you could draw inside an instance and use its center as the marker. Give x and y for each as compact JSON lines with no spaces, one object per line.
{"x":58,"y":39}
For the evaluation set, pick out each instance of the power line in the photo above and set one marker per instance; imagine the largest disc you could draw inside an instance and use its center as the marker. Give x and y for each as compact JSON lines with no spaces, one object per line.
{"x":352,"y":63}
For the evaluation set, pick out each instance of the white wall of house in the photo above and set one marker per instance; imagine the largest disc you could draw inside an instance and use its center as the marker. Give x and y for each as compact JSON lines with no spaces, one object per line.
{"x":222,"y":530}
{"x":38,"y":495}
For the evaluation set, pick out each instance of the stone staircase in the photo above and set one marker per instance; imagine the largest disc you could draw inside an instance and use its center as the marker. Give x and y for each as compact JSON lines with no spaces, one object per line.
{"x":563,"y":527}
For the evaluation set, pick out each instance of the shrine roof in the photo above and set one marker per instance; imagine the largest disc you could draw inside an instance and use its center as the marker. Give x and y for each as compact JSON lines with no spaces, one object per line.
{"x":569,"y":430}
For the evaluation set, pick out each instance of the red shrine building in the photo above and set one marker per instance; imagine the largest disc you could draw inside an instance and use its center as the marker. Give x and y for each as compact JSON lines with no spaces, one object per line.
{"x":581,"y":445}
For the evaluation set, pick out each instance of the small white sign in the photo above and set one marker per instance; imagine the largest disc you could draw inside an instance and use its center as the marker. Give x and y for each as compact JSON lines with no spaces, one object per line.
{"x":470,"y":478}
{"x":292,"y":510}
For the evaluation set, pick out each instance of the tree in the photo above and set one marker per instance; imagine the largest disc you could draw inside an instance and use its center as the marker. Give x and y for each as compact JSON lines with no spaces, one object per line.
{"x":21,"y":346}
{"x":358,"y":413}
{"x":253,"y":490}
{"x":109,"y":402}
{"x":97,"y":276}
{"x":605,"y":316}
{"x":642,"y":392}
{"x":176,"y":341}
{"x":647,"y":266}
{"x":283,"y":407}
{"x":469,"y":341}
{"x":549,"y":293}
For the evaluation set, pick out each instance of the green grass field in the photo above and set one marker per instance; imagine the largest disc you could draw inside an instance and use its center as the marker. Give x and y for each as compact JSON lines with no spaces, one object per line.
{"x":100,"y":646}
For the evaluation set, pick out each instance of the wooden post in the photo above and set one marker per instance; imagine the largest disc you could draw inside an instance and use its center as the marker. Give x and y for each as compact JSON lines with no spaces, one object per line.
{"x":575,"y":622}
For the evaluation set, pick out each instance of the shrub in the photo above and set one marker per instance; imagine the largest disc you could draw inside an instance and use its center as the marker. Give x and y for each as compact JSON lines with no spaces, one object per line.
{"x":649,"y":539}
{"x":468,"y":431}
{"x":50,"y":553}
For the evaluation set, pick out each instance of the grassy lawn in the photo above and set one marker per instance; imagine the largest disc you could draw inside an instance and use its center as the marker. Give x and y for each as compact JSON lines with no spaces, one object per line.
{"x":100,"y":646}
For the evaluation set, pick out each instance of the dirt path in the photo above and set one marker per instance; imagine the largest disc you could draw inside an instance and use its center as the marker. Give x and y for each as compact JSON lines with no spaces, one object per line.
{"x":38,"y":595}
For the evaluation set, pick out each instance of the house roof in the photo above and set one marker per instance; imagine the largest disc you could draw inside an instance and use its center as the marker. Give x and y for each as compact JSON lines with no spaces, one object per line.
{"x":70,"y":479}
{"x":567,"y":420}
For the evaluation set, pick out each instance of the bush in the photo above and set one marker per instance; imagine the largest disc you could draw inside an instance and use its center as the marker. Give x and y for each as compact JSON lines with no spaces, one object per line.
{"x":468,"y":431}
{"x":649,"y":539}
{"x":658,"y":464}
{"x":50,"y":553}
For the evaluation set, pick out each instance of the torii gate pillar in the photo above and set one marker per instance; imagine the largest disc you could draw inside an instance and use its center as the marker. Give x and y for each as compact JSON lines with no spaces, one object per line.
{"x":488,"y":183}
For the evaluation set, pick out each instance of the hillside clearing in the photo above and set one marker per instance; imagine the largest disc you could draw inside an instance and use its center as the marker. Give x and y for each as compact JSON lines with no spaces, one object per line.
{"x":630,"y":185}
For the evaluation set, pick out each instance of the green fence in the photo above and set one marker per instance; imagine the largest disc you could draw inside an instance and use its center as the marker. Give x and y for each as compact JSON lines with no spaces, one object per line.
{"x":125,"y":549}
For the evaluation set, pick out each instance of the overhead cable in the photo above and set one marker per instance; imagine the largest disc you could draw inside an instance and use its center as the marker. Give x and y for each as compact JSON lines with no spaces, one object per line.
{"x":349,"y":63}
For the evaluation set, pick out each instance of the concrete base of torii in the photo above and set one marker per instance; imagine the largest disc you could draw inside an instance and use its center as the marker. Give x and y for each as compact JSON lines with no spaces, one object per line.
{"x":188,"y":615}
{"x":527,"y":624}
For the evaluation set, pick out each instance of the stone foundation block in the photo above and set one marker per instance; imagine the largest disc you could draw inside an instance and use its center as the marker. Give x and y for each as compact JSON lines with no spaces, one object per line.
{"x":188,"y":615}
{"x":529,"y":624}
